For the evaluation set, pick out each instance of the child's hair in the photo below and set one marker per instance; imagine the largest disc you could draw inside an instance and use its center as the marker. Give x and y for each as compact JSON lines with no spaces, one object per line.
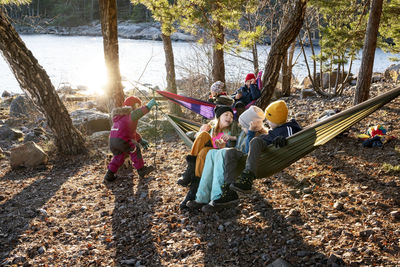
{"x":219,"y":110}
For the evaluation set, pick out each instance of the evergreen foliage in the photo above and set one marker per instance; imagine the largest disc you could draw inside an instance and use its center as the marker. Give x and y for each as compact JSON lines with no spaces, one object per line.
{"x":390,"y":27}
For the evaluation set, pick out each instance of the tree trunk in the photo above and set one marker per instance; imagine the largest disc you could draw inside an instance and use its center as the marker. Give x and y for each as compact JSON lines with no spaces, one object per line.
{"x":367,"y":61}
{"x":254,"y":51}
{"x":108,"y":13}
{"x":278,"y":49}
{"x":218,"y":71}
{"x":35,"y":82}
{"x":170,"y":68}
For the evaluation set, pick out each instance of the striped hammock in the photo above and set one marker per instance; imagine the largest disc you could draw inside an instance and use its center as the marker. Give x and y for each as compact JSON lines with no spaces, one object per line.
{"x":201,"y":107}
{"x":300,"y":144}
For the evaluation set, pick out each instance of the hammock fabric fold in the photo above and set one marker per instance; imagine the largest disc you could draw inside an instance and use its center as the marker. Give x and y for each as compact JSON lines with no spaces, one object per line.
{"x":201,"y":107}
{"x":300,"y":144}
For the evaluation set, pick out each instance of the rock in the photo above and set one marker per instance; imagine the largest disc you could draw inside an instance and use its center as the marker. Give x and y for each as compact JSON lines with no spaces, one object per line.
{"x":10,"y":133}
{"x":392,"y":73}
{"x":90,"y":120}
{"x":395,"y":215}
{"x":338,"y":205}
{"x":377,"y":77}
{"x":27,"y":155}
{"x":101,"y":136}
{"x":279,"y":263}
{"x":128,"y":262}
{"x":326,"y":114}
{"x":326,"y":80}
{"x":306,"y":93}
{"x":22,"y":106}
{"x":5,"y":94}
{"x":335,"y":261}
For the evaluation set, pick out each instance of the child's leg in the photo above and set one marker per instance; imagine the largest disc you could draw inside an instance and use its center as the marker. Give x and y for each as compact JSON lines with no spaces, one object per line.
{"x":204,"y":190}
{"x":116,"y":162}
{"x":201,"y":141}
{"x":218,"y":175}
{"x":232,"y":158}
{"x":257,"y":146}
{"x":201,"y":158}
{"x":137,"y":159}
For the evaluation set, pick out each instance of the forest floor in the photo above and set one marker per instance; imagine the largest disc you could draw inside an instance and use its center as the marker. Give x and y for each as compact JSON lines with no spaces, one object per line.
{"x":339,"y":205}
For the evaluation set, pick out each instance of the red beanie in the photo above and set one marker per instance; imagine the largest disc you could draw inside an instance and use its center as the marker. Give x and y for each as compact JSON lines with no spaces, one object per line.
{"x":249,"y":77}
{"x":130,"y":101}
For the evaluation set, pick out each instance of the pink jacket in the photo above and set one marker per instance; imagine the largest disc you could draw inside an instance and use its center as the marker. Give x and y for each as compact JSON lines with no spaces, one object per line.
{"x":123,"y":126}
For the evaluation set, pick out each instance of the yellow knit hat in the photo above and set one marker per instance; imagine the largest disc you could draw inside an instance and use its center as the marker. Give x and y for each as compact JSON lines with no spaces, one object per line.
{"x":277,"y":112}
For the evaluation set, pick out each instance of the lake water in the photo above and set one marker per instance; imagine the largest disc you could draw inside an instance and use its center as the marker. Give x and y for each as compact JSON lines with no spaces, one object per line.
{"x":79,"y":60}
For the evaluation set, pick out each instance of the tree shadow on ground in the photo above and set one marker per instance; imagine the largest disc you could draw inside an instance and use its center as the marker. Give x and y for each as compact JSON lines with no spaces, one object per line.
{"x":227,"y":241}
{"x":17,"y":212}
{"x":370,"y":160}
{"x":132,"y":220}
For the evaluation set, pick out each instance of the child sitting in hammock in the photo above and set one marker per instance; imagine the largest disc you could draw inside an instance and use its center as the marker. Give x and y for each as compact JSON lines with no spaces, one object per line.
{"x":125,"y":140}
{"x":216,"y":135}
{"x":218,"y":94}
{"x":276,"y":114}
{"x":212,"y":177}
{"x":248,"y":92}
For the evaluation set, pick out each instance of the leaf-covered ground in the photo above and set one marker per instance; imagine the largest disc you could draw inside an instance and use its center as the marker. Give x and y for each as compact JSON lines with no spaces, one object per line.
{"x":338,"y":205}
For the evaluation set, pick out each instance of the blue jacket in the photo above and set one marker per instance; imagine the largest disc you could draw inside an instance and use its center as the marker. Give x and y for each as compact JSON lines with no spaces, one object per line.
{"x":248,"y":94}
{"x":287,"y":129}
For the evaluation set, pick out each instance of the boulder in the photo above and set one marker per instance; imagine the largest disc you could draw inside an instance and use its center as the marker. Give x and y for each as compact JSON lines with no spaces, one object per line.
{"x":22,"y":106}
{"x":89,"y":120}
{"x":27,"y":155}
{"x":325,"y":80}
{"x":392,"y":73}
{"x":9,"y":133}
{"x":101,"y":137}
{"x":307,"y":93}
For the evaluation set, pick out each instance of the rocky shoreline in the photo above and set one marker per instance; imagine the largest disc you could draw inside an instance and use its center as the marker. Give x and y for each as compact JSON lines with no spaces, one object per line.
{"x":127,"y":30}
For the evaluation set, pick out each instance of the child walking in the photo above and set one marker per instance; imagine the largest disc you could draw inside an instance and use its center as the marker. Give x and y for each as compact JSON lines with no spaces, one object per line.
{"x":125,"y":140}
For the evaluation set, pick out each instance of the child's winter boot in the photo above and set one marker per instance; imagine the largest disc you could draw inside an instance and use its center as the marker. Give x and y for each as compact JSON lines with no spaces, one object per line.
{"x":189,"y":172}
{"x":191,"y":195}
{"x":244,"y":182}
{"x":110,"y":176}
{"x":145,"y":170}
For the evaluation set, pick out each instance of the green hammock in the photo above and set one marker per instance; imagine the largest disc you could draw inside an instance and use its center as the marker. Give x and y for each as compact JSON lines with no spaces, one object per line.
{"x":303,"y":142}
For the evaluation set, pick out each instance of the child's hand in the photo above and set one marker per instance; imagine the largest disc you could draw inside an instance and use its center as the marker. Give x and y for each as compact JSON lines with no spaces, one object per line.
{"x":205,"y":128}
{"x":255,"y":126}
{"x":144,"y":144}
{"x":220,"y":143}
{"x":151,"y":103}
{"x":225,"y":138}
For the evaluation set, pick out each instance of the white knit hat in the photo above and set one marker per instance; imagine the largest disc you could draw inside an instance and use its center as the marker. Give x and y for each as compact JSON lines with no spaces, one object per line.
{"x":253,"y":113}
